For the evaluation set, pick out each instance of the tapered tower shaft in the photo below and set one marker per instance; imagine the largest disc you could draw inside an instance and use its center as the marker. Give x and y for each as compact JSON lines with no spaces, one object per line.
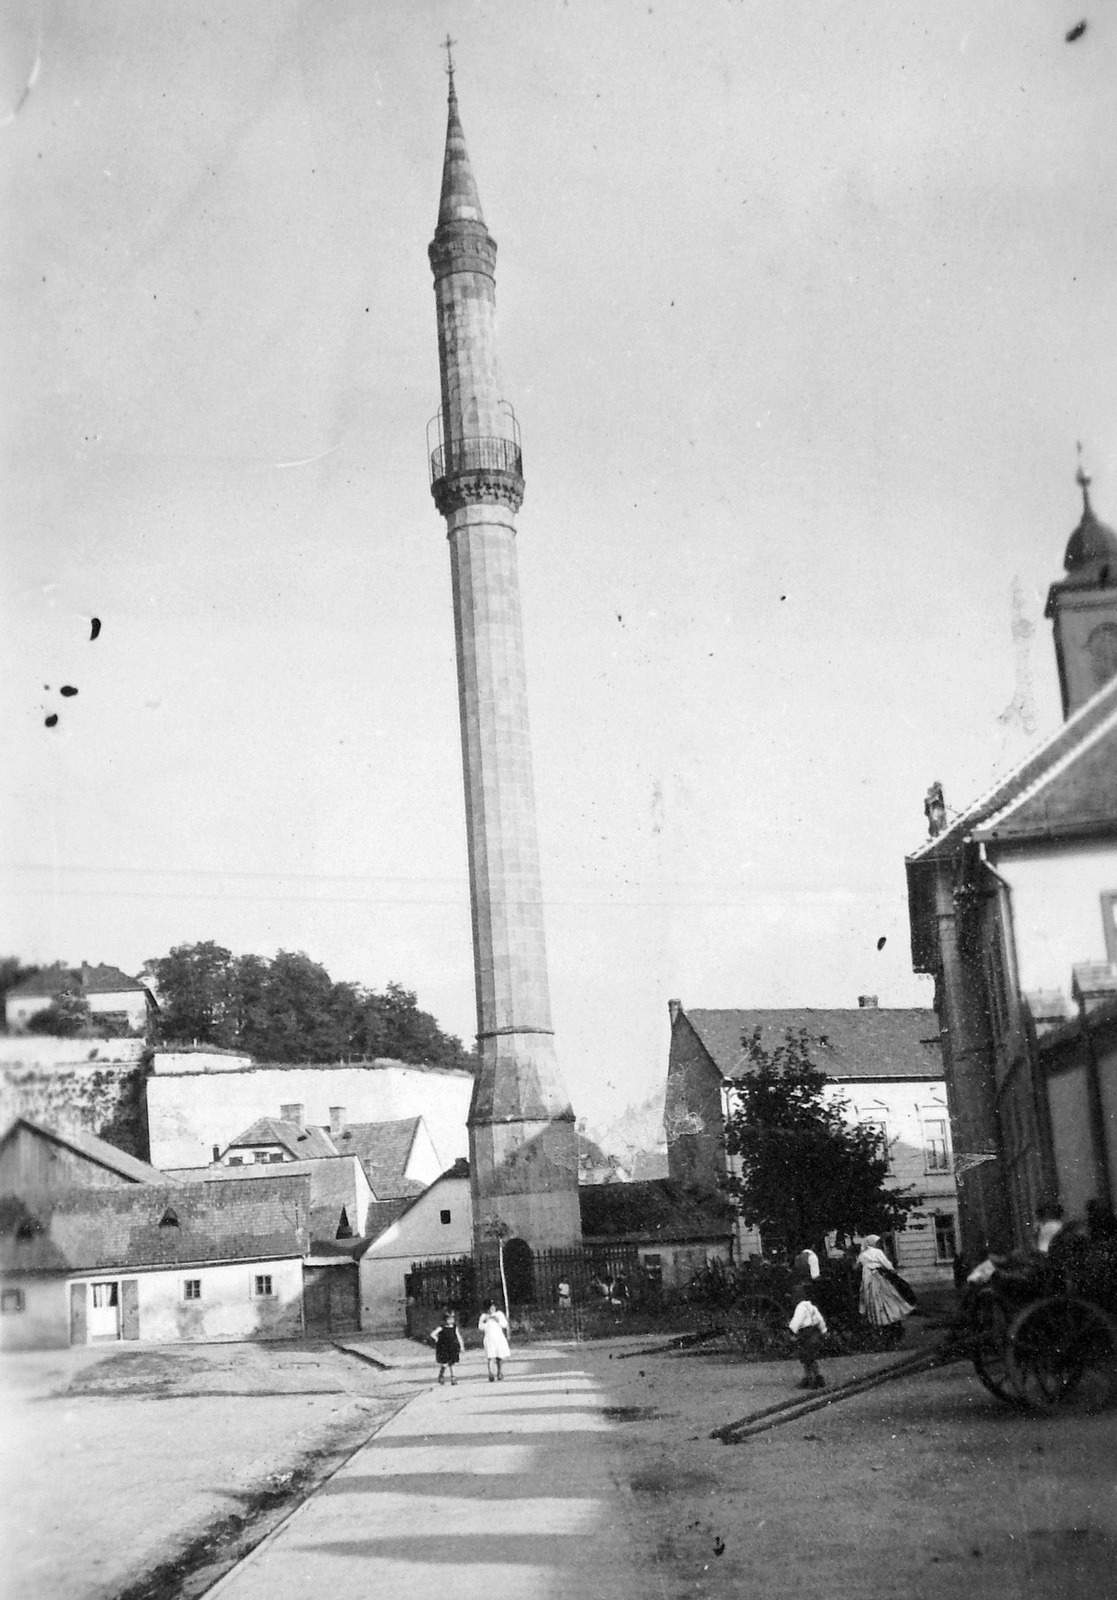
{"x":523,"y":1148}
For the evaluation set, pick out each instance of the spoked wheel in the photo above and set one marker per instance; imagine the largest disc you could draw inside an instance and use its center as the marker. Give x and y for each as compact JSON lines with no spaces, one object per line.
{"x":989,"y":1334}
{"x":1063,"y":1351}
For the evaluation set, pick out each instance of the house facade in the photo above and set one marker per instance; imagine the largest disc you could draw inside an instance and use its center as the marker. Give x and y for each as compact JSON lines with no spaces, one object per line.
{"x":1011,"y":906}
{"x":153,"y":1264}
{"x":107,"y":991}
{"x":437,"y":1223}
{"x":883,"y":1064}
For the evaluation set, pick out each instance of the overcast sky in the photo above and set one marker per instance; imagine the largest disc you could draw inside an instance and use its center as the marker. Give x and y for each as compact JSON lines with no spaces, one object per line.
{"x":802,"y":310}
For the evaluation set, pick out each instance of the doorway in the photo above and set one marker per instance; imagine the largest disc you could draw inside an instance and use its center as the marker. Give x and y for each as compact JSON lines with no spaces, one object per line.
{"x":104,"y":1311}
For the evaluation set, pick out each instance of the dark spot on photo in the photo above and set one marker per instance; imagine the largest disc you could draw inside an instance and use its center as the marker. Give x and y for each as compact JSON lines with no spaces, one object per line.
{"x":51,"y":720}
{"x":67,"y":690}
{"x":94,"y":627}
{"x":882,"y":941}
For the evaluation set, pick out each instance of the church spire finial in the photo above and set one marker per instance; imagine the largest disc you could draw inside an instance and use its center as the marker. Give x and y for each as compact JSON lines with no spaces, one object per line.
{"x":1083,"y":479}
{"x":448,"y":45}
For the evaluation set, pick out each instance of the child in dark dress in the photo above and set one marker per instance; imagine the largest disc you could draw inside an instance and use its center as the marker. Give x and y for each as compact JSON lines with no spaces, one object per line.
{"x":809,"y":1327}
{"x":448,"y":1346}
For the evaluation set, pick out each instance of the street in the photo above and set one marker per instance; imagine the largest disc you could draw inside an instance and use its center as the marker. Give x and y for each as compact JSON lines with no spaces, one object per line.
{"x":589,"y":1472}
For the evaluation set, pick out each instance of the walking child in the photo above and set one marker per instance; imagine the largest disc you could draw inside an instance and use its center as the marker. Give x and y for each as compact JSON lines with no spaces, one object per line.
{"x":494,"y":1330}
{"x":448,"y":1346}
{"x":809,"y":1327}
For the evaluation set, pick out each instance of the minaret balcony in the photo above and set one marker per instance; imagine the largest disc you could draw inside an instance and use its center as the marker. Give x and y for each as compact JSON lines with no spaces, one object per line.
{"x":476,"y":453}
{"x":476,"y":468}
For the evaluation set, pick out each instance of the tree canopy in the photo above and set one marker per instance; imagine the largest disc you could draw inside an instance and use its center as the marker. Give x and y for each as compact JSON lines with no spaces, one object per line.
{"x":290,"y":1009}
{"x":803,"y":1168}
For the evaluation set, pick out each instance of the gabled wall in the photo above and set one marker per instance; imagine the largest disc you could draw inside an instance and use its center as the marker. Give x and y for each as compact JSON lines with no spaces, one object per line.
{"x":419,"y":1234}
{"x":693,"y":1113}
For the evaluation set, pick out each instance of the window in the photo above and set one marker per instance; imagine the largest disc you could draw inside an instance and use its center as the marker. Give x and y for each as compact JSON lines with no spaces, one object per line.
{"x":169,"y":1219}
{"x":946,"y":1243}
{"x":881,"y":1131}
{"x":936,"y":1145}
{"x":444,"y":1217}
{"x":236,"y":1161}
{"x":191,"y":1288}
{"x":11,"y":1302}
{"x":105,"y":1295}
{"x":262,"y":1285}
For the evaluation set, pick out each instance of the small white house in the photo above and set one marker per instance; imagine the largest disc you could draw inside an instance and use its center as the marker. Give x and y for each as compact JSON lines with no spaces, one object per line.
{"x":106,"y":990}
{"x":436,"y":1223}
{"x":163,"y":1265}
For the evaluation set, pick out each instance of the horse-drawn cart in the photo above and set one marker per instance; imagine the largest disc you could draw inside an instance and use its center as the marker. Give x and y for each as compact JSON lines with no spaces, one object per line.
{"x":1043,"y":1330}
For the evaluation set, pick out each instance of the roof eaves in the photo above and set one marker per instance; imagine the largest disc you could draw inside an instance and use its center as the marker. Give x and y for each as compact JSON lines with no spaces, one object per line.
{"x":1027,"y":772}
{"x":998,"y":819}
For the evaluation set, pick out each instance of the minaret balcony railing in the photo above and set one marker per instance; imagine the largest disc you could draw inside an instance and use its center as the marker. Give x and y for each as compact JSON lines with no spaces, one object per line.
{"x":476,"y":453}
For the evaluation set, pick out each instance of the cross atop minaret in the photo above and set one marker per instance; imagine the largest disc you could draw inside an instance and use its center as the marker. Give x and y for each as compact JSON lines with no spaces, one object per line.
{"x":448,"y":45}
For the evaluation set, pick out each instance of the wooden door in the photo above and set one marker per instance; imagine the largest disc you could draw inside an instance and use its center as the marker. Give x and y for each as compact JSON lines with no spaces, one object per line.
{"x":130,"y":1308}
{"x":78,"y":1320}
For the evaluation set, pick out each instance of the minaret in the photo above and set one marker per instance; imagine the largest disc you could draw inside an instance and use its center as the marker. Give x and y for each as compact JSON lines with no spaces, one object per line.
{"x":522,"y":1140}
{"x":1083,"y":607}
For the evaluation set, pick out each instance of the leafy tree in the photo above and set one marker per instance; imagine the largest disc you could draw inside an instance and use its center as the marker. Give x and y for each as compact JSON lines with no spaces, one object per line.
{"x":12,"y":971}
{"x":195,"y":987}
{"x":67,"y":1017}
{"x":803,"y":1168}
{"x":290,"y":1009}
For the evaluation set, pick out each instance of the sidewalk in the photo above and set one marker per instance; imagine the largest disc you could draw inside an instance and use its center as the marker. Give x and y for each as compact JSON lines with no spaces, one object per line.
{"x":498,"y":1491}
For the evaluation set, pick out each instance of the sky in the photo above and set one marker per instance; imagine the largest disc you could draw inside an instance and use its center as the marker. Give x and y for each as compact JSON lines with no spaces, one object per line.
{"x":802,"y":310}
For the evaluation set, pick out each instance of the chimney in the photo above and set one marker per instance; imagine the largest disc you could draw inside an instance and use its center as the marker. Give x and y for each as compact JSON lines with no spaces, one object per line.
{"x":867,"y":1002}
{"x":934,"y":808}
{"x":216,"y":1153}
{"x":337,"y":1121}
{"x":295,"y":1114}
{"x":673,"y":1009}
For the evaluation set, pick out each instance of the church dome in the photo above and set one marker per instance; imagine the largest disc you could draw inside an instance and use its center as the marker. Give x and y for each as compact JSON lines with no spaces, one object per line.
{"x":1091,"y":543}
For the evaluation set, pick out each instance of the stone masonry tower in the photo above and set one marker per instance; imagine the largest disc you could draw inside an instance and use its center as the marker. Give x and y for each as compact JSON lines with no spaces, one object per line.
{"x":522,"y":1140}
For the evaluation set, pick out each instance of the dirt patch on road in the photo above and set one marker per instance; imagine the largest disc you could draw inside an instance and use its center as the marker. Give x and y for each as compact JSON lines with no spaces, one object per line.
{"x":207,"y":1557}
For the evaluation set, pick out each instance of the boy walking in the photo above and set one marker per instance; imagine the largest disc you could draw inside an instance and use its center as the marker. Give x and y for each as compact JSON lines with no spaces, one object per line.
{"x":809,"y":1327}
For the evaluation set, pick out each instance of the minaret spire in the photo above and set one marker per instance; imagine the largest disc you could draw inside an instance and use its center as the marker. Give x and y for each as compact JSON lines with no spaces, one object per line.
{"x":522,"y":1143}
{"x":459,"y":201}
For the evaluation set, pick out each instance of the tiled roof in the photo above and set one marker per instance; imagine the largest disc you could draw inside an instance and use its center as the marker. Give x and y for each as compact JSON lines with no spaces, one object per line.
{"x":382,"y":1213}
{"x":333,"y":1186}
{"x":384,"y":1148}
{"x":88,"y":980}
{"x":658,"y":1209}
{"x":95,"y":1149}
{"x":303,"y":1144}
{"x":114,"y":1229}
{"x":869,"y":1042}
{"x":1062,"y":774}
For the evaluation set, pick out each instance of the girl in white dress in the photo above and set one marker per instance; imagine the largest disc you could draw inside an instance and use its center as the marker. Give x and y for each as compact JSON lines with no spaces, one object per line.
{"x":494,"y":1331}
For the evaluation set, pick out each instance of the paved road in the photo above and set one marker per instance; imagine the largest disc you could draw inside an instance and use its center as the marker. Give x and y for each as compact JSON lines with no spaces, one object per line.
{"x":501,"y":1491}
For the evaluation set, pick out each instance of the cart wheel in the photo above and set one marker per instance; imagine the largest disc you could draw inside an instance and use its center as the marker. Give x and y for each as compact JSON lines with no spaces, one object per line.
{"x":1063,"y":1351}
{"x":990,"y":1348}
{"x":760,"y":1308}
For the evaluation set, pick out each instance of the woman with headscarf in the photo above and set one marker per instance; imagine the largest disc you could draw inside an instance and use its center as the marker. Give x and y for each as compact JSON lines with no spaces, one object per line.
{"x":880,"y":1301}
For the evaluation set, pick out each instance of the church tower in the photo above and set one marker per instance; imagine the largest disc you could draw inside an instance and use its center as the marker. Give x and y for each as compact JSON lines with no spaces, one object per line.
{"x":1083,"y":608}
{"x":522,"y":1140}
